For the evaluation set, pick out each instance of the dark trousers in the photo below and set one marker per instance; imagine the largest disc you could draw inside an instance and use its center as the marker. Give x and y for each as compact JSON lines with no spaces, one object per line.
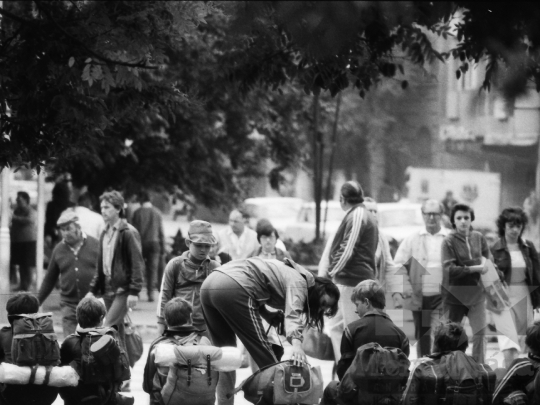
{"x":151,"y":252}
{"x":477,"y":319}
{"x":229,"y":312}
{"x":424,"y":320}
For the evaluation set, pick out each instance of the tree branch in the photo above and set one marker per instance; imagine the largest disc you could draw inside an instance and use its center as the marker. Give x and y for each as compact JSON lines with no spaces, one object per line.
{"x":140,"y":64}
{"x":14,"y":17}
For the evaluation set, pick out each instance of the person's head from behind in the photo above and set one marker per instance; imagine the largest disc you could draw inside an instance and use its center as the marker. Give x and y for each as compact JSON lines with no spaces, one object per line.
{"x":90,"y":313}
{"x":367,"y":296}
{"x":511,"y":223}
{"x":267,"y":237}
{"x":144,"y":196}
{"x":351,"y":194}
{"x":85,"y":200}
{"x":322,"y":301}
{"x":22,"y":303}
{"x":236,"y":222}
{"x":461,"y":217}
{"x":23,"y":199}
{"x":532,"y":339}
{"x":178,"y":312}
{"x":449,"y":337}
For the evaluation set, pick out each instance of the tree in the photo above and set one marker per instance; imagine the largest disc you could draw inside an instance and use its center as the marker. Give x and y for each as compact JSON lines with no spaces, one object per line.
{"x":69,"y":71}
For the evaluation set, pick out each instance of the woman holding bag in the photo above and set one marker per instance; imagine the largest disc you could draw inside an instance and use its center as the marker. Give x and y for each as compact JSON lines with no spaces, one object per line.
{"x":517,"y":259}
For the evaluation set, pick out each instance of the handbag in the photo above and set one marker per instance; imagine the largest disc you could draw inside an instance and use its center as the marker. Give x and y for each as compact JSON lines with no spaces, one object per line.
{"x":134,"y":342}
{"x":318,"y":345}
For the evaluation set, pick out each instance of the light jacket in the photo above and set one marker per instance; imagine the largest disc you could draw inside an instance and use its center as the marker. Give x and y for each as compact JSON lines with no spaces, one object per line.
{"x":127,"y":263}
{"x":352,"y":255}
{"x":183,"y":278}
{"x":412,"y":258}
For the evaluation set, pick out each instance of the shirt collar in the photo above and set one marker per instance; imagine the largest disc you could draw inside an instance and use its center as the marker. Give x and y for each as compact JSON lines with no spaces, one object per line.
{"x":376,"y":312}
{"x":442,"y":232}
{"x":147,"y":204}
{"x":116,"y":225}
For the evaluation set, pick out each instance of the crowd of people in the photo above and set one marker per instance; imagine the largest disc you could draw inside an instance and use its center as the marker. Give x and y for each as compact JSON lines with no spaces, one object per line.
{"x":230,"y":288}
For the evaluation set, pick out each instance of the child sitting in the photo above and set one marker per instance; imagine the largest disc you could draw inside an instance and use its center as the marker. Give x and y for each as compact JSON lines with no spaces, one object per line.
{"x":31,"y":394}
{"x":181,"y":332}
{"x":100,"y":382}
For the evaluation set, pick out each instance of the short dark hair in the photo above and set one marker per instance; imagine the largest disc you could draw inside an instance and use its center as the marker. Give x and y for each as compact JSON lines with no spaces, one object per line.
{"x":24,"y":195}
{"x":513,"y":215}
{"x":532,"y":339}
{"x":449,"y":337}
{"x":371,"y":290}
{"x":90,"y":312}
{"x":460,"y":207}
{"x":352,"y":192}
{"x":144,"y":196}
{"x":22,"y":303}
{"x":266,"y":229}
{"x":85,"y":200}
{"x":177,"y":312}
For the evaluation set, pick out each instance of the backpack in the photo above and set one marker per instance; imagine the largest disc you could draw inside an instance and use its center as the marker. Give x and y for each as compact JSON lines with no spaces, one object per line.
{"x":186,"y":384}
{"x":102,"y":359}
{"x":34,"y":340}
{"x":457,"y":380}
{"x":377,"y":375}
{"x":283,"y":383}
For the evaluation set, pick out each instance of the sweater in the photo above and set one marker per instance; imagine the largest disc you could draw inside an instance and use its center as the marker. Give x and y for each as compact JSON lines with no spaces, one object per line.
{"x":352,"y":255}
{"x":76,"y":271}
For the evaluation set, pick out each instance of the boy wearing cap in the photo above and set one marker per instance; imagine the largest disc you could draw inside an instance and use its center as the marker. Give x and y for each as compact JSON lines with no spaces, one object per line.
{"x":74,"y":260}
{"x":185,"y":274}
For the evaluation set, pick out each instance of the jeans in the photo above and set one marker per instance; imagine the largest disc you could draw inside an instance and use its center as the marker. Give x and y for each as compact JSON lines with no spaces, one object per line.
{"x":69,"y":317}
{"x":151,"y":252}
{"x":425,"y":321}
{"x":477,"y":318}
{"x":116,"y":304}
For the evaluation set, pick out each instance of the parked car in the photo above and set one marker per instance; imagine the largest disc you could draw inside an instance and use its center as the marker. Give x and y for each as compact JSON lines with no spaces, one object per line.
{"x":280,"y":211}
{"x":396,"y":221}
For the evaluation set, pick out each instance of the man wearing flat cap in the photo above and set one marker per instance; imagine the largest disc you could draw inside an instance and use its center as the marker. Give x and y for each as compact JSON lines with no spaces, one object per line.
{"x":120,"y":263}
{"x":185,"y":274}
{"x":74,"y":260}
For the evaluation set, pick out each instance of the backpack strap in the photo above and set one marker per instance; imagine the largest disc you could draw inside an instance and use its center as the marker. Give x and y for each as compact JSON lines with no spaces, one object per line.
{"x":47,"y":375}
{"x":32,"y":375}
{"x":208,"y":371}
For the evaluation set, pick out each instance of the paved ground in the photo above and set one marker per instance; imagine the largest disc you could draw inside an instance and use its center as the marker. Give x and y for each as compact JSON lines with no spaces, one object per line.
{"x":144,"y":317}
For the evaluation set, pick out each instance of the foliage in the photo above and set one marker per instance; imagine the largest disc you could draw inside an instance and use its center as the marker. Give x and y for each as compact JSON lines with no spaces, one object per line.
{"x":69,"y":71}
{"x":307,"y":254}
{"x":335,"y":45}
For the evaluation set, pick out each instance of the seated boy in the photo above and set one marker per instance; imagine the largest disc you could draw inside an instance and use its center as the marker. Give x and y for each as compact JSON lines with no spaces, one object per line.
{"x":31,"y":394}
{"x":449,"y":364}
{"x":180,"y":331}
{"x":522,"y":380}
{"x":90,"y":315}
{"x":374,"y":325}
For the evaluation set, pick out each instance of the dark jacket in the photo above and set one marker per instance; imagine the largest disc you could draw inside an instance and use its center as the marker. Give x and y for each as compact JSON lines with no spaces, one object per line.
{"x":373,"y":327}
{"x":127,"y":263}
{"x":460,"y":286}
{"x":519,"y":375}
{"x":501,"y":258}
{"x":29,"y":394}
{"x":352,"y":255}
{"x":71,"y":354}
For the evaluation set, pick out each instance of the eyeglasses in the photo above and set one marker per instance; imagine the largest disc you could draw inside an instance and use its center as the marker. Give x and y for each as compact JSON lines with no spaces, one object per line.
{"x":432,"y":214}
